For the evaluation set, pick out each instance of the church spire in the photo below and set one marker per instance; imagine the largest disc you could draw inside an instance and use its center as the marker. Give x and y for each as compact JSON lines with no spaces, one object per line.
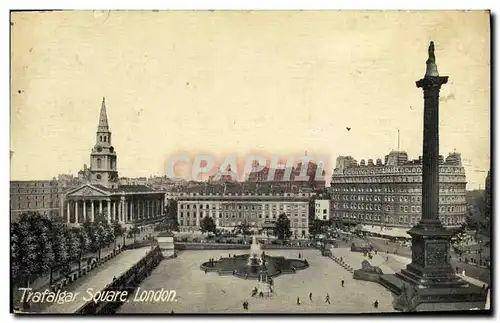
{"x":103,"y":118}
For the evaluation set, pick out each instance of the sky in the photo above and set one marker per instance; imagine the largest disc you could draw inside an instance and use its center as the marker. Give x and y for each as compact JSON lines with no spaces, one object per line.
{"x":235,"y":83}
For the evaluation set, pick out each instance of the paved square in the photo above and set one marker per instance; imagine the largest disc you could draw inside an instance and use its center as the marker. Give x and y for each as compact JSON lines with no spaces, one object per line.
{"x":198,"y":292}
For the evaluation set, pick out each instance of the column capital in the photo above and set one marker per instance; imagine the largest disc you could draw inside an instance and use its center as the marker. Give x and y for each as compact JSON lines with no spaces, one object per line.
{"x":432,"y":82}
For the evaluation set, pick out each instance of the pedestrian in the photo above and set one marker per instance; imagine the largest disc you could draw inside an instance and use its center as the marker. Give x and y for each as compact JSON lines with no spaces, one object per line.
{"x":205,"y":271}
{"x":298,"y":300}
{"x":375,"y":304}
{"x":172,"y":312}
{"x":327,"y":299}
{"x":342,"y":282}
{"x":300,"y":256}
{"x":310,"y":296}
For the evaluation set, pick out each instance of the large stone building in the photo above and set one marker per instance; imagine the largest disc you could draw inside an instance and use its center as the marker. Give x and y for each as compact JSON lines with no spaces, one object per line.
{"x":41,"y":196}
{"x":34,"y":196}
{"x":231,"y":204}
{"x":389,"y":194}
{"x":103,"y":195}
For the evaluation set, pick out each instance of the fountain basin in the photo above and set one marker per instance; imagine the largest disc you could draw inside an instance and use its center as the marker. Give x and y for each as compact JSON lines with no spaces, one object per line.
{"x":238,"y":266}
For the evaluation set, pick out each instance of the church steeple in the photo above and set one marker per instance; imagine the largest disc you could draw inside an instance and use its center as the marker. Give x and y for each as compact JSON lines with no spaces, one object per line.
{"x":103,"y":118}
{"x":103,"y":157}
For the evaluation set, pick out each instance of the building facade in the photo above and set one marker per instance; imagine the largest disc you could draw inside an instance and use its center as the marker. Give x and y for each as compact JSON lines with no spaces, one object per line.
{"x":103,"y":196}
{"x":322,"y":210}
{"x":232,"y":204}
{"x":389,"y":194}
{"x":34,"y":196}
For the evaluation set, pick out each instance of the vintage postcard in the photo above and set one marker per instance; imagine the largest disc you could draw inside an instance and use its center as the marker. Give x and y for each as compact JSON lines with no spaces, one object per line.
{"x":243,"y":162}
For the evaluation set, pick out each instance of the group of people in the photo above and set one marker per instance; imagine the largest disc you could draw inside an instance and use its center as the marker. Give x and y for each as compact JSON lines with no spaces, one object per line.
{"x":327,"y":298}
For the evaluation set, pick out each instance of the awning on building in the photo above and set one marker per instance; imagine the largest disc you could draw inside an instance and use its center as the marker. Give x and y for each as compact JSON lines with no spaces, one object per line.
{"x":268,"y":225}
{"x":386,"y":231}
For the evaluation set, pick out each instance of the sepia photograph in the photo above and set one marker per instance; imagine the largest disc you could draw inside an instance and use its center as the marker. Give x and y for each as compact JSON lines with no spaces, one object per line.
{"x":250,"y":162}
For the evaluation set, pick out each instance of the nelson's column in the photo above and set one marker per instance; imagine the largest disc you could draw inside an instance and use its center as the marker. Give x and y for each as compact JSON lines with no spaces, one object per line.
{"x":437,"y":285}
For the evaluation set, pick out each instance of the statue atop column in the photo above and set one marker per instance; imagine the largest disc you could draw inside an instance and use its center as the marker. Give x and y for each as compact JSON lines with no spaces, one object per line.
{"x":431,"y":62}
{"x":432,"y":57}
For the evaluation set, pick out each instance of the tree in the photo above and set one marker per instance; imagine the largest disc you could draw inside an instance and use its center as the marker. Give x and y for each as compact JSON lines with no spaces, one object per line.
{"x":85,"y":242}
{"x":243,"y":228}
{"x":282,"y":228}
{"x":100,"y":238}
{"x":60,"y":248}
{"x":73,"y":243}
{"x":109,"y":235}
{"x":118,"y":230}
{"x":207,"y":224}
{"x":134,"y":230}
{"x":317,"y":227}
{"x":15,"y":252}
{"x":41,"y":229}
{"x":171,"y":222}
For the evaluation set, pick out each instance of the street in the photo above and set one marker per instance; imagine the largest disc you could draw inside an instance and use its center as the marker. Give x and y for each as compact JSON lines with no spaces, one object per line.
{"x":43,"y":281}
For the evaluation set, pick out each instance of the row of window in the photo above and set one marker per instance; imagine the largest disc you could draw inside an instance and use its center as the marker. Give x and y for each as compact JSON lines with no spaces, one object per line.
{"x":450,"y":220}
{"x":31,"y":185}
{"x":402,"y":199}
{"x":45,"y":191}
{"x":32,"y":205}
{"x":399,"y":179}
{"x":401,"y":208}
{"x":243,"y":194}
{"x":405,"y":189}
{"x":241,"y":207}
{"x":200,"y":215}
{"x":29,"y":197}
{"x":395,"y":170}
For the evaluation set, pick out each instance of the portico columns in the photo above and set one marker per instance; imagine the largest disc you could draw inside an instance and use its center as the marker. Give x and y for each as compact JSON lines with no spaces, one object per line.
{"x":84,"y":210}
{"x":122,"y":210}
{"x":76,"y":211}
{"x":100,"y":207}
{"x":109,"y":211}
{"x":132,"y":210}
{"x":125,"y":214}
{"x":68,"y":212}
{"x":114,"y":211}
{"x":92,"y":211}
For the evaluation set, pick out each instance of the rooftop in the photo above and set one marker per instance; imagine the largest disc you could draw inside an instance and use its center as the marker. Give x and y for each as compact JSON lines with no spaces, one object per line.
{"x":126,"y":188}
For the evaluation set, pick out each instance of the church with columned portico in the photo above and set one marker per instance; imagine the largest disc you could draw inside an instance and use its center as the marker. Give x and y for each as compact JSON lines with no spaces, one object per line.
{"x":103,"y":195}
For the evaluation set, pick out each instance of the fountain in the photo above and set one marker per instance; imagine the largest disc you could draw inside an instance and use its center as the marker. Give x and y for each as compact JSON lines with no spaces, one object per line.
{"x":255,"y":265}
{"x":256,"y":255}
